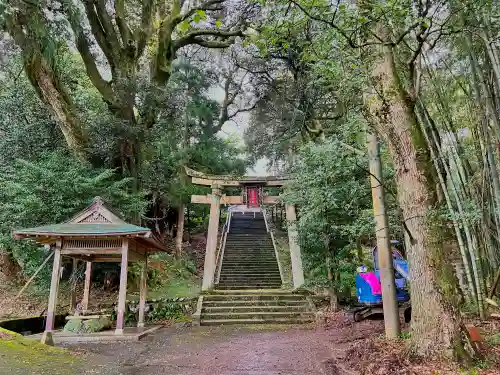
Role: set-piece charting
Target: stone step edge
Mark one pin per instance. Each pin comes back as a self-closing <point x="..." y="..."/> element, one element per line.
<point x="290" y="321"/>
<point x="267" y="307"/>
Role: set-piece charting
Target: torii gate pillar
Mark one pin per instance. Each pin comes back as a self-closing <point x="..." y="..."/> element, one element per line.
<point x="211" y="249"/>
<point x="293" y="236"/>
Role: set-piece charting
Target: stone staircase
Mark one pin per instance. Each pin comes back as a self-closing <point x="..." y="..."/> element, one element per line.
<point x="249" y="291"/>
<point x="249" y="260"/>
<point x="255" y="307"/>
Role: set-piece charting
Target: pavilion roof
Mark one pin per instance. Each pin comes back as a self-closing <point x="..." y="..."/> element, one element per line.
<point x="96" y="221"/>
<point x="84" y="230"/>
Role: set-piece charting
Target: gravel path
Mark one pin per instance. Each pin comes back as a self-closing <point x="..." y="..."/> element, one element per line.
<point x="221" y="351"/>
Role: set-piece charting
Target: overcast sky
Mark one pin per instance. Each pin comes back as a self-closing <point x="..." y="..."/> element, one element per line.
<point x="236" y="127"/>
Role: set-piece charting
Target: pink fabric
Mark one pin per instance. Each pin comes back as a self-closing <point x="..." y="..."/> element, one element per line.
<point x="372" y="280"/>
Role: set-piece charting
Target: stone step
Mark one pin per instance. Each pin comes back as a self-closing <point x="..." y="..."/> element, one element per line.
<point x="258" y="315"/>
<point x="261" y="308"/>
<point x="253" y="281"/>
<point x="266" y="259"/>
<point x="217" y="322"/>
<point x="248" y="286"/>
<point x="255" y="264"/>
<point x="274" y="278"/>
<point x="274" y="302"/>
<point x="248" y="250"/>
<point x="250" y="267"/>
<point x="250" y="262"/>
<point x="250" y="276"/>
<point x="256" y="260"/>
<point x="249" y="270"/>
<point x="242" y="250"/>
<point x="248" y="254"/>
<point x="233" y="298"/>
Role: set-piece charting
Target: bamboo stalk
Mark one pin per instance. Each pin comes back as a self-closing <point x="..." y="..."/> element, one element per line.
<point x="461" y="244"/>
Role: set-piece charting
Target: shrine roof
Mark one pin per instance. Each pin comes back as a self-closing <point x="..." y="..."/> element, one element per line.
<point x="96" y="221"/>
<point x="84" y="229"/>
<point x="201" y="178"/>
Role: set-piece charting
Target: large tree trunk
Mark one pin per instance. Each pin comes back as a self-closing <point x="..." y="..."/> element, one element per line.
<point x="50" y="91"/>
<point x="46" y="81"/>
<point x="436" y="325"/>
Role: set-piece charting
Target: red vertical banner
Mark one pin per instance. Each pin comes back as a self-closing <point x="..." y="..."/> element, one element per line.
<point x="253" y="197"/>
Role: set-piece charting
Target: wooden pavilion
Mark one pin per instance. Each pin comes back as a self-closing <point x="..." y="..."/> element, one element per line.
<point x="96" y="234"/>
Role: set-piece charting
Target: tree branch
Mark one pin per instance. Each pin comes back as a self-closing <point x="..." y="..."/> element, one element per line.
<point x="82" y="44"/>
<point x="120" y="16"/>
<point x="107" y="24"/>
<point x="99" y="34"/>
<point x="193" y="37"/>
<point x="145" y="30"/>
<point x="208" y="5"/>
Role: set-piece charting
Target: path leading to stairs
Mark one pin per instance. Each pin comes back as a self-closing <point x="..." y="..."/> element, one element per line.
<point x="231" y="350"/>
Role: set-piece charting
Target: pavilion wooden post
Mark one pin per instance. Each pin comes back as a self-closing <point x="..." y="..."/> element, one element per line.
<point x="122" y="294"/>
<point x="297" y="271"/>
<point x="211" y="249"/>
<point x="72" y="299"/>
<point x="54" y="288"/>
<point x="143" y="292"/>
<point x="86" y="288"/>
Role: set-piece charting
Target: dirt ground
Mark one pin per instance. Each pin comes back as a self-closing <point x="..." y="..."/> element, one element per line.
<point x="251" y="350"/>
<point x="339" y="347"/>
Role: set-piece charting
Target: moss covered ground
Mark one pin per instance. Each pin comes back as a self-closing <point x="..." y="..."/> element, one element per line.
<point x="19" y="355"/>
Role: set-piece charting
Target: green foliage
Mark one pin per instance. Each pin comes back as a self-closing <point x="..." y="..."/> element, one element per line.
<point x="167" y="310"/>
<point x="50" y="189"/>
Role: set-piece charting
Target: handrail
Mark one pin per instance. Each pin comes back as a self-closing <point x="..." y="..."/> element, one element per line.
<point x="222" y="245"/>
<point x="277" y="257"/>
<point x="274" y="245"/>
<point x="264" y="213"/>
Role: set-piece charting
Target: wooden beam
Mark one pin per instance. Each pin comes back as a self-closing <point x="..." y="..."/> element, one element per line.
<point x="210" y="182"/>
<point x="106" y="259"/>
<point x="207" y="182"/>
<point x="207" y="199"/>
<point x="230" y="199"/>
<point x="116" y="250"/>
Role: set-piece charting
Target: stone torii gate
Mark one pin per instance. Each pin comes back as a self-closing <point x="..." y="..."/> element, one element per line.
<point x="252" y="195"/>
